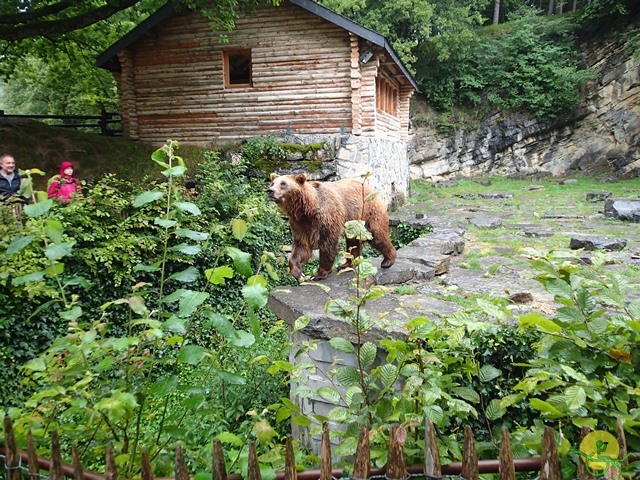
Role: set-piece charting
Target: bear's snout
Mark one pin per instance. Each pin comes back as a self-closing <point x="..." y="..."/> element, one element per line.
<point x="271" y="193"/>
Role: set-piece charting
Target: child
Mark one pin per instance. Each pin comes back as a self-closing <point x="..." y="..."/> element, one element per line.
<point x="64" y="186"/>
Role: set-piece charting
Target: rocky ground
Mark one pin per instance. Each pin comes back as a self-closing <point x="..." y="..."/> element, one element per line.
<point x="474" y="250"/>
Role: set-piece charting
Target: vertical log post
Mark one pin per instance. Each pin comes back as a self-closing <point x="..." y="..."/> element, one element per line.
<point x="582" y="473"/>
<point x="181" y="466"/>
<point x="470" y="469"/>
<point x="550" y="466"/>
<point x="32" y="456"/>
<point x="219" y="469"/>
<point x="55" y="471"/>
<point x="325" y="453"/>
<point x="78" y="473"/>
<point x="622" y="442"/>
<point x="253" y="470"/>
<point x="12" y="461"/>
<point x="431" y="455"/>
<point x="289" y="461"/>
<point x="396" y="468"/>
<point x="110" y="471"/>
<point x="362" y="462"/>
<point x="146" y="472"/>
<point x="507" y="467"/>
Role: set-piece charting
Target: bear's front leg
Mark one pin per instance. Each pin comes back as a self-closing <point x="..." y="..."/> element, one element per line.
<point x="328" y="255"/>
<point x="299" y="256"/>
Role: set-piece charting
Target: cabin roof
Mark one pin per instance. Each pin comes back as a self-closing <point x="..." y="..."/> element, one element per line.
<point x="109" y="58"/>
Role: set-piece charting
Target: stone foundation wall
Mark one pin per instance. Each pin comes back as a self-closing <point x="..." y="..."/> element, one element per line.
<point x="353" y="156"/>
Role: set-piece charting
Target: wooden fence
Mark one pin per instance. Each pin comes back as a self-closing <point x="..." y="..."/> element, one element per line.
<point x="100" y="122"/>
<point x="548" y="464"/>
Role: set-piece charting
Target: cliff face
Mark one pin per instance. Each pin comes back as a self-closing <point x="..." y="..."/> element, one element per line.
<point x="601" y="137"/>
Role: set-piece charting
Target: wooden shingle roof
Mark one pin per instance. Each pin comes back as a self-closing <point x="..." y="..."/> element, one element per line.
<point x="109" y="58"/>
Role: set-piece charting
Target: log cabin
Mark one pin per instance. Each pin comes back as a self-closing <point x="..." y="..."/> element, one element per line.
<point x="296" y="70"/>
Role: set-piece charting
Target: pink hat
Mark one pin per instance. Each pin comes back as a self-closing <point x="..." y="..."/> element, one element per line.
<point x="66" y="164"/>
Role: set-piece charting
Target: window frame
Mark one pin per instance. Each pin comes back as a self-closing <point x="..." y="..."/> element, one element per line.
<point x="226" y="55"/>
<point x="386" y="96"/>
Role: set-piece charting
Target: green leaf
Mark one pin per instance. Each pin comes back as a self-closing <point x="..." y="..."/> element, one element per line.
<point x="576" y="397"/>
<point x="217" y="275"/>
<point x="176" y="324"/>
<point x="136" y="303"/>
<point x="301" y="322"/>
<point x="188" y="207"/>
<point x="434" y="412"/>
<point x="164" y="222"/>
<point x="388" y="374"/>
<point x="192" y="234"/>
<point x="71" y="315"/>
<point x="368" y="353"/>
<point x="242" y="339"/>
<point x="348" y="376"/>
<point x="59" y="250"/>
<point x="241" y="260"/>
<point x="191" y="354"/>
<point x="468" y="394"/>
<point x="187" y="249"/>
<point x="329" y="393"/>
<point x="230" y="438"/>
<point x="176" y="171"/>
<point x="256" y="295"/>
<point x="160" y="157"/>
<point x="222" y="325"/>
<point x="146" y="268"/>
<point x="342" y="345"/>
<point x="239" y="228"/>
<point x="18" y="243"/>
<point x="187" y="275"/>
<point x="190" y="301"/>
<point x="36" y="365"/>
<point x="147" y="197"/>
<point x="488" y="373"/>
<point x="301" y="420"/>
<point x="494" y="411"/>
<point x="543" y="324"/>
<point x="164" y="385"/>
<point x="38" y="209"/>
<point x="31" y="277"/>
<point x="53" y="229"/>
<point x="384" y="409"/>
<point x="560" y="288"/>
<point x="545" y="408"/>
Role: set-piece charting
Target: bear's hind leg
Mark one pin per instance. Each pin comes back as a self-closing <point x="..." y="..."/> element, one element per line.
<point x="328" y="256"/>
<point x="353" y="251"/>
<point x="300" y="254"/>
<point x="382" y="243"/>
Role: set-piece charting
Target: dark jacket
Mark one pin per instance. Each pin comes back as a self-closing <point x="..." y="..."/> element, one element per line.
<point x="9" y="188"/>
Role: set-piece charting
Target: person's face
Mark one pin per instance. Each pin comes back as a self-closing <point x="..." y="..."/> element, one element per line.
<point x="8" y="165"/>
<point x="68" y="171"/>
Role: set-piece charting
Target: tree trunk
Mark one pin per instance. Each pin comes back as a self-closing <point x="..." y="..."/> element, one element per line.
<point x="496" y="12"/>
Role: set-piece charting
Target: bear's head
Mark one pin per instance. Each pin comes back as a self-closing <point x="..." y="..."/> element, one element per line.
<point x="285" y="187"/>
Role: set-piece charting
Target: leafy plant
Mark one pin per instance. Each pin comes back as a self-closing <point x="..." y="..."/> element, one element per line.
<point x="134" y="375"/>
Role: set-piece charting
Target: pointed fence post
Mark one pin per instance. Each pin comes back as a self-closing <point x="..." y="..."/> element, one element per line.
<point x="396" y="468"/>
<point x="582" y="473"/>
<point x="181" y="466"/>
<point x="110" y="471"/>
<point x="32" y="456"/>
<point x="12" y="461"/>
<point x="470" y="469"/>
<point x="550" y="466"/>
<point x="325" y="453"/>
<point x="431" y="455"/>
<point x="289" y="461"/>
<point x="78" y="474"/>
<point x="219" y="469"/>
<point x="55" y="471"/>
<point x="362" y="462"/>
<point x="622" y="442"/>
<point x="507" y="467"/>
<point x="146" y="471"/>
<point x="253" y="471"/>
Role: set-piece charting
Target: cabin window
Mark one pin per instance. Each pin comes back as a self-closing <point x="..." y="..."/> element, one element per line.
<point x="386" y="96"/>
<point x="237" y="68"/>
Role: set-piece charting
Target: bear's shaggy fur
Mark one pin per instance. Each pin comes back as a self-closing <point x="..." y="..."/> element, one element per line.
<point x="317" y="213"/>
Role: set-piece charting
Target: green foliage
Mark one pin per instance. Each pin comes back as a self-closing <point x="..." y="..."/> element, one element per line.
<point x="531" y="67"/>
<point x="160" y="363"/>
<point x="403" y="234"/>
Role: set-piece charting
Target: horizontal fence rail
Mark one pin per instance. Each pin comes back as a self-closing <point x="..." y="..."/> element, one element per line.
<point x="22" y="465"/>
<point x="101" y="122"/>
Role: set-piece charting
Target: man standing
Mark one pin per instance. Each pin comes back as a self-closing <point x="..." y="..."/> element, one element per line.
<point x="9" y="178"/>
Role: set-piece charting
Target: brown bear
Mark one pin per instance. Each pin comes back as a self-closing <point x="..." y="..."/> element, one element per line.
<point x="317" y="213"/>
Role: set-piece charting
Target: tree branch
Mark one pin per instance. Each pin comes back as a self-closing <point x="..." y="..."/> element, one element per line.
<point x="31" y="15"/>
<point x="22" y="30"/>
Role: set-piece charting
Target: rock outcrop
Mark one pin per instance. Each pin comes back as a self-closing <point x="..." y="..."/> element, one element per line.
<point x="601" y="137"/>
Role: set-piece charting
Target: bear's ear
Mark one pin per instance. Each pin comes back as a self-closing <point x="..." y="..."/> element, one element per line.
<point x="273" y="175"/>
<point x="300" y="178"/>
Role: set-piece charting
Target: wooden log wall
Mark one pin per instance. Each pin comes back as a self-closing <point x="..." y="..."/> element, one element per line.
<point x="306" y="78"/>
<point x="548" y="465"/>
